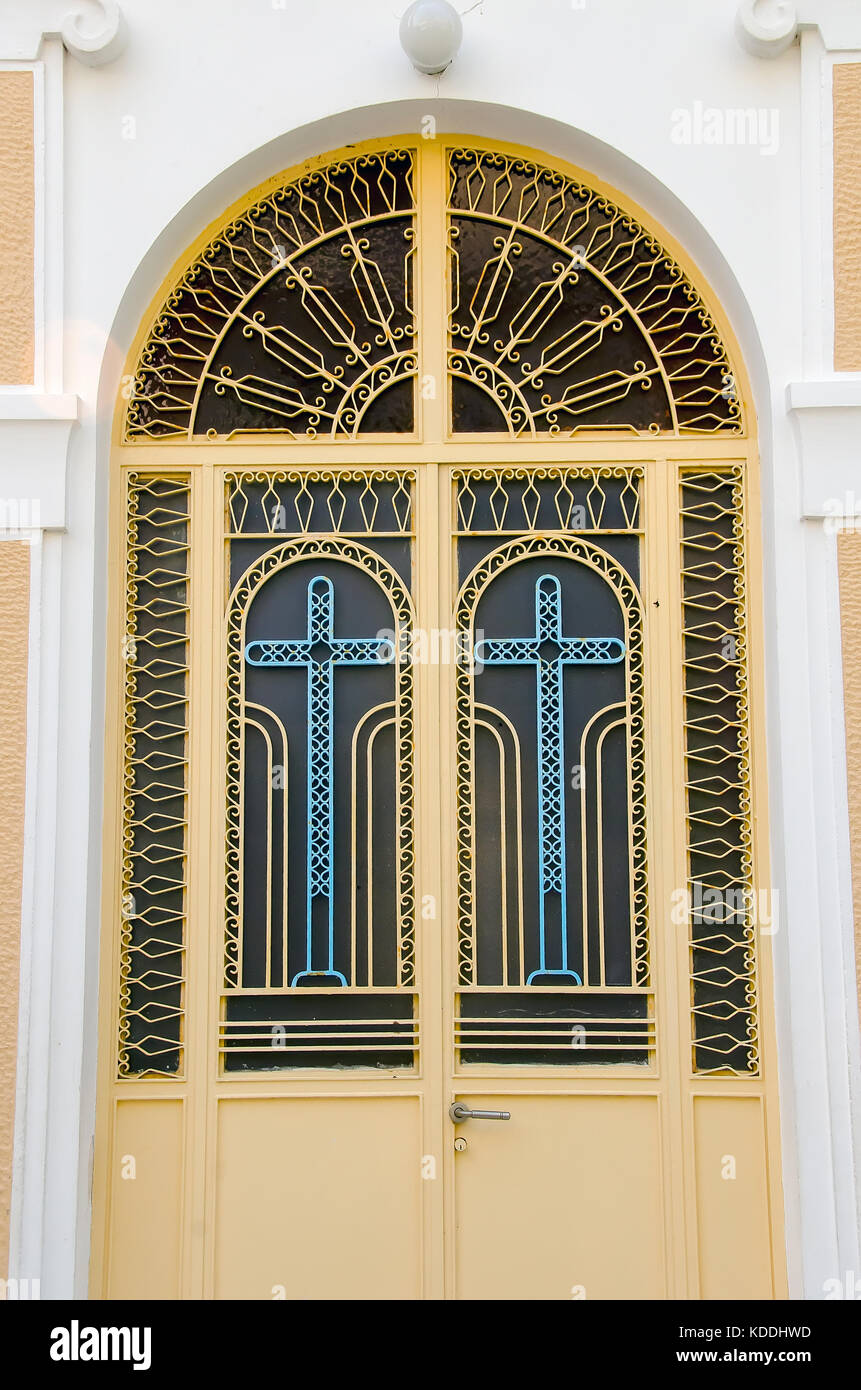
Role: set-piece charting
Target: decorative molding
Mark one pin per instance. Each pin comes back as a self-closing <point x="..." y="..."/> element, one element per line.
<point x="834" y="393"/>
<point x="766" y="28"/>
<point x="827" y="416"/>
<point x="94" y="36"/>
<point x="34" y="446"/>
<point x="99" y="47"/>
<point x="32" y="406"/>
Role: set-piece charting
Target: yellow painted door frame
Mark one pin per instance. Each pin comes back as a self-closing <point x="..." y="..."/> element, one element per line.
<point x="162" y="1224"/>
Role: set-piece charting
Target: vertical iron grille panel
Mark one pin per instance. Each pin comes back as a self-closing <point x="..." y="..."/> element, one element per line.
<point x="566" y="315"/>
<point x="320" y="945"/>
<point x="297" y="318"/>
<point x="552" y="903"/>
<point x="717" y="761"/>
<point x="155" y="778"/>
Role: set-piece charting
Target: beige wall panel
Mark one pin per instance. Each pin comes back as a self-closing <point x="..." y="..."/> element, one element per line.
<point x="847" y="217"/>
<point x="17" y="221"/>
<point x="849" y="560"/>
<point x="732" y="1213"/>
<point x="320" y="1196"/>
<point x="14" y="624"/>
<point x="564" y="1195"/>
<point x="146" y="1225"/>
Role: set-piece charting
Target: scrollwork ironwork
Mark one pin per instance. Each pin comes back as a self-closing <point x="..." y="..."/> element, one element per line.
<point x="568" y="315"/>
<point x="296" y="318"/>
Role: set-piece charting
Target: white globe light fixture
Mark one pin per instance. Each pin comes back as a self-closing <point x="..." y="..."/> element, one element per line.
<point x="431" y="34"/>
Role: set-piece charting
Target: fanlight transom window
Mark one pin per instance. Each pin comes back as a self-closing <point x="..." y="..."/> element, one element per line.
<point x="564" y="314"/>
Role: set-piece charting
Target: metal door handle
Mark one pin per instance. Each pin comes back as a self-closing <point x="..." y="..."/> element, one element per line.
<point x="458" y="1112"/>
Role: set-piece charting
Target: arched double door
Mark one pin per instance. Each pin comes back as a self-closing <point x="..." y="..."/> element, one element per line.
<point x="434" y="749"/>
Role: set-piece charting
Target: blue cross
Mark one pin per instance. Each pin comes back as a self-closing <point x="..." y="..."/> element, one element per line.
<point x="319" y="653"/>
<point x="549" y="651"/>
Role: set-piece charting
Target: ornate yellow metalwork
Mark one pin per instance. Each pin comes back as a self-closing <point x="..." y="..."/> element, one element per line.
<point x="567" y="315"/>
<point x="614" y="433"/>
<point x="488" y="502"/>
<point x="297" y="317"/>
<point x="342" y="501"/>
<point x="584" y="553"/>
<point x="327" y="515"/>
<point x="549" y="498"/>
<point x="351" y="553"/>
<point x="722" y="903"/>
<point x="155" y="777"/>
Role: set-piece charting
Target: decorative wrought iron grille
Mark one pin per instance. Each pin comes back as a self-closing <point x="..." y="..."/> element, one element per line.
<point x="721" y="899"/>
<point x="155" y="777"/>
<point x="567" y="315"/>
<point x="297" y="318"/>
<point x="340" y="501"/>
<point x="552" y="933"/>
<point x="320" y="946"/>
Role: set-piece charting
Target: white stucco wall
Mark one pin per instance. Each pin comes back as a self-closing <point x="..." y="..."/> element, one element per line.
<point x="208" y="98"/>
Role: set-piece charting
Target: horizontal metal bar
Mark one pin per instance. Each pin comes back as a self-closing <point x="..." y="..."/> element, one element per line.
<point x="515" y="1022"/>
<point x="411" y="1023"/>
<point x="555" y="1039"/>
<point x="472" y="1034"/>
<point x="407" y="1036"/>
<point x="551" y="531"/>
<point x="406" y="1046"/>
<point x="277" y="992"/>
<point x="586" y="449"/>
<point x="480" y="1046"/>
<point x="575" y="991"/>
<point x="290" y="533"/>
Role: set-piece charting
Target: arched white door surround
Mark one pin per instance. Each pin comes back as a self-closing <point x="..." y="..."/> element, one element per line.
<point x="815" y="1030"/>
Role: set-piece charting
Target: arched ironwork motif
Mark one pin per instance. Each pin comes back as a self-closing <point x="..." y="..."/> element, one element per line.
<point x="296" y="318"/>
<point x="529" y="938"/>
<point x="567" y="315"/>
<point x="327" y="1017"/>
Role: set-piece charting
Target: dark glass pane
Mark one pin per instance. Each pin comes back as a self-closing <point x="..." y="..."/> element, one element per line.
<point x="392" y="411"/>
<point x="475" y="411"/>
